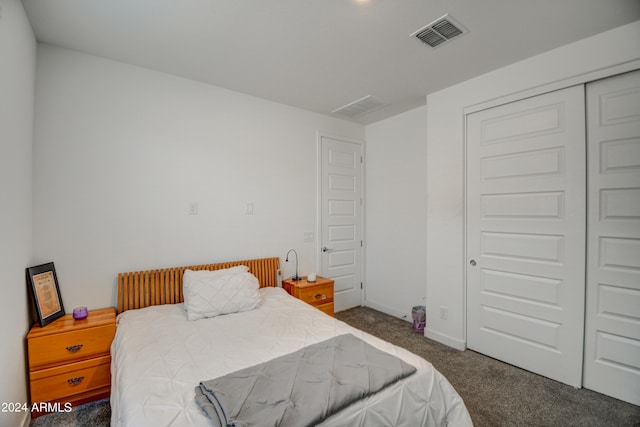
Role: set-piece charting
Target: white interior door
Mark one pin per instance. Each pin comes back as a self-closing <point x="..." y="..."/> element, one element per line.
<point x="612" y="339"/>
<point x="341" y="219"/>
<point x="526" y="233"/>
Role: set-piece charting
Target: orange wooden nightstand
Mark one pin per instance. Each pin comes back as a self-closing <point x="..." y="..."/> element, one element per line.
<point x="319" y="293"/>
<point x="69" y="360"/>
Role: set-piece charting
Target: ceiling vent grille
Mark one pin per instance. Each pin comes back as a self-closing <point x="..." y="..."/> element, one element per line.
<point x="439" y="31"/>
<point x="359" y="107"/>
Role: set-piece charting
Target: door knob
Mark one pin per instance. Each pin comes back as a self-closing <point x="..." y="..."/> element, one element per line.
<point x="326" y="249"/>
<point x="472" y="262"/>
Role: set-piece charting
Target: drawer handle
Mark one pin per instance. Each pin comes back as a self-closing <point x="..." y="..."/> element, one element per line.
<point x="321" y="296"/>
<point x="74" y="348"/>
<point x="75" y="381"/>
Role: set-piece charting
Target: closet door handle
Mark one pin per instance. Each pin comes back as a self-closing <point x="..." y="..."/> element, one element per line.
<point x="473" y="263"/>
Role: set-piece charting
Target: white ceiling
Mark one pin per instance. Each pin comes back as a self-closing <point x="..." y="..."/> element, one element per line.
<point x="322" y="54"/>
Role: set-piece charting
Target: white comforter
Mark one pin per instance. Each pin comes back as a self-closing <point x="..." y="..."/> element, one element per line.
<point x="158" y="358"/>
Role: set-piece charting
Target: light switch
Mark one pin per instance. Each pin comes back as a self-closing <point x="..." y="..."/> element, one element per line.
<point x="307" y="236"/>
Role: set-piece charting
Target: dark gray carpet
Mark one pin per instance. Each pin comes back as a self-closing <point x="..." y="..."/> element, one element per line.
<point x="94" y="414"/>
<point x="496" y="394"/>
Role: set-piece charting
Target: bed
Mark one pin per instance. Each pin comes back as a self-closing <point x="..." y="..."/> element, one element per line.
<point x="159" y="356"/>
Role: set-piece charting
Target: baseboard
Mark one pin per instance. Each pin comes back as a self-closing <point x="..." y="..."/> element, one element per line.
<point x="445" y="339"/>
<point x="26" y="421"/>
<point x="390" y="311"/>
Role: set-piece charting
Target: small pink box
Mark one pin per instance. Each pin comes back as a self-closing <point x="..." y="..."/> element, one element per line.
<point x="80" y="313"/>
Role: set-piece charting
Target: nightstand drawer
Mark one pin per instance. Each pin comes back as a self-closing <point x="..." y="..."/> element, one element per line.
<point x="326" y="308"/>
<point x="70" y="380"/>
<point x="69" y="346"/>
<point x="317" y="295"/>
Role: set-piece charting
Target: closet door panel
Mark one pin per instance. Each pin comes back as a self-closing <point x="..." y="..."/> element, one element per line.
<point x="526" y="233"/>
<point x="612" y="337"/>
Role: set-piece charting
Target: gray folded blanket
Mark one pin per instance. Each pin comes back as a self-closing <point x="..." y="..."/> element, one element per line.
<point x="301" y="388"/>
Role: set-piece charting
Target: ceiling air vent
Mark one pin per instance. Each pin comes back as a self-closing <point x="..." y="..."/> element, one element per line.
<point x="439" y="31"/>
<point x="361" y="106"/>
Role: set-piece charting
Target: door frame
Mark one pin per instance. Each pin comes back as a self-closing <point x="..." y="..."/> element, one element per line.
<point x="506" y="99"/>
<point x="362" y="260"/>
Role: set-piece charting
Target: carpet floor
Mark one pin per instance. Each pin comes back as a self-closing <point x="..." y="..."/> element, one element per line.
<point x="496" y="394"/>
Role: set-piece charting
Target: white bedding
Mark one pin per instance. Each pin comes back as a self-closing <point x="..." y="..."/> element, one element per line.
<point x="158" y="358"/>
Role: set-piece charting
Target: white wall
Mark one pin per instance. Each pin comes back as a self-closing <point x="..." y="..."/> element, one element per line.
<point x="571" y="64"/>
<point x="396" y="207"/>
<point x="121" y="151"/>
<point x="17" y="83"/>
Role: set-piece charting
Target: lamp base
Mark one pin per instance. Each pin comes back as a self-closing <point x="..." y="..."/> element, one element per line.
<point x="296" y="278"/>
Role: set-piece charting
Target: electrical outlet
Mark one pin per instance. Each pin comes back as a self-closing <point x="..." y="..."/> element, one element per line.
<point x="444" y="312"/>
<point x="193" y="208"/>
<point x="248" y="208"/>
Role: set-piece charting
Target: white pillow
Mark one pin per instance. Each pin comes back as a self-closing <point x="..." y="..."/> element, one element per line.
<point x="213" y="293"/>
<point x="190" y="275"/>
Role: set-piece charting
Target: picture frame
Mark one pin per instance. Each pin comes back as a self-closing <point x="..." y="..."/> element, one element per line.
<point x="43" y="282"/>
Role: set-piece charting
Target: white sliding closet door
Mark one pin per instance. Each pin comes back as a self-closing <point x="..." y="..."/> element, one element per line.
<point x="526" y="233"/>
<point x="612" y="343"/>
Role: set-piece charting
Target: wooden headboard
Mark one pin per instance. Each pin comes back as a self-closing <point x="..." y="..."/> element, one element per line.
<point x="141" y="289"/>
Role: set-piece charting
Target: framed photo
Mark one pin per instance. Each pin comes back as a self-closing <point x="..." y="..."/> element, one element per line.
<point x="43" y="282"/>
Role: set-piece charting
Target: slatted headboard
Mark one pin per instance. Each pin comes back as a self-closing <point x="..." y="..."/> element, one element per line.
<point x="141" y="289"/>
